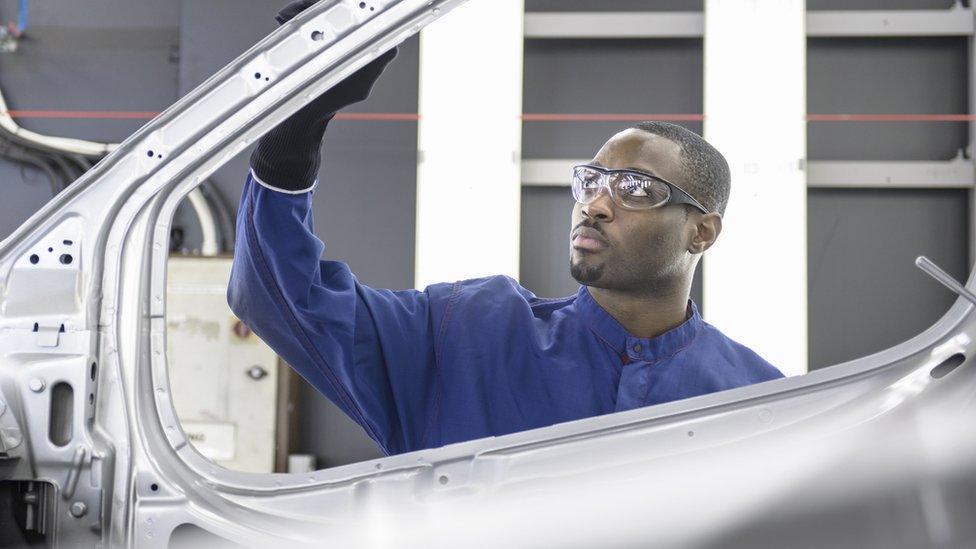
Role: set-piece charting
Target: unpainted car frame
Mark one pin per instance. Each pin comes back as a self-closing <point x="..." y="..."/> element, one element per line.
<point x="878" y="452"/>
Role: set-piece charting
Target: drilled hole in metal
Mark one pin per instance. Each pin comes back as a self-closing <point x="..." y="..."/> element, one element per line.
<point x="443" y="479"/>
<point x="66" y="259"/>
<point x="948" y="365"/>
<point x="94" y="370"/>
<point x="34" y="259"/>
<point x="318" y="36"/>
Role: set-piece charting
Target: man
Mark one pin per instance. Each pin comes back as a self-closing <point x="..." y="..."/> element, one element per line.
<point x="486" y="357"/>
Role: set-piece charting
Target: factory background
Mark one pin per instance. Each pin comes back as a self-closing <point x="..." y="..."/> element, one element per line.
<point x="88" y="69"/>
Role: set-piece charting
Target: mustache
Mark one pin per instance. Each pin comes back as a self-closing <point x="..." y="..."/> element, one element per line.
<point x="590" y="225"/>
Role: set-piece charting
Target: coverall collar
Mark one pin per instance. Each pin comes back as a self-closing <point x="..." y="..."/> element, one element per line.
<point x="637" y="348"/>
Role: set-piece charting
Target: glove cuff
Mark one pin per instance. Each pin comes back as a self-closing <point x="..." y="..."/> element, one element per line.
<point x="288" y="157"/>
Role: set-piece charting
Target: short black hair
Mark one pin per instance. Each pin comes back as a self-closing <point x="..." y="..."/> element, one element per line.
<point x="707" y="169"/>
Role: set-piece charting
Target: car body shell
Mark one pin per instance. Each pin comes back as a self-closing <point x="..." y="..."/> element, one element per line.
<point x="877" y="452"/>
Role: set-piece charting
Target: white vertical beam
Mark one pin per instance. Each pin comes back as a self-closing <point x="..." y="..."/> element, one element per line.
<point x="755" y="277"/>
<point x="469" y="173"/>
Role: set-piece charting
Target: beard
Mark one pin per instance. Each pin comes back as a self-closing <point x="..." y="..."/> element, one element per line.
<point x="646" y="277"/>
<point x="587" y="275"/>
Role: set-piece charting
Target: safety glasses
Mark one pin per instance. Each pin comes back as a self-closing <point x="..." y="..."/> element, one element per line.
<point x="629" y="189"/>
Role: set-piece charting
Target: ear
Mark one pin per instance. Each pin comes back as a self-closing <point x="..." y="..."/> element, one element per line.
<point x="707" y="229"/>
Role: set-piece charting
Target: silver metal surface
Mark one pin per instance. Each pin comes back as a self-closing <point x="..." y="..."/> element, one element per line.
<point x="877" y="452"/>
<point x="78" y="509"/>
<point x="955" y="21"/>
<point x="944" y="278"/>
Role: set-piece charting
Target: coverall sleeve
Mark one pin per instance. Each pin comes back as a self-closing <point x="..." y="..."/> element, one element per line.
<point x="372" y="352"/>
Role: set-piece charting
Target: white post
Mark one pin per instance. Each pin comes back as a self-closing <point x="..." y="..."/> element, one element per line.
<point x="469" y="172"/>
<point x="755" y="277"/>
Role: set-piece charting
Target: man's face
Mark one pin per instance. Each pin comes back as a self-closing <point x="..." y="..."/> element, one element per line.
<point x="646" y="250"/>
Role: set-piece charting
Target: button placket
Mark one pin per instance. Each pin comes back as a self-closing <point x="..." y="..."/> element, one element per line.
<point x="635" y="349"/>
<point x="631" y="387"/>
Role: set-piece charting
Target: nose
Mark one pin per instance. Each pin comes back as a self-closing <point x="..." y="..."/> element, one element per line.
<point x="601" y="207"/>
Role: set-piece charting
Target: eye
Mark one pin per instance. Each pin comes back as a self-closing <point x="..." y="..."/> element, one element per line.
<point x="635" y="187"/>
<point x="642" y="191"/>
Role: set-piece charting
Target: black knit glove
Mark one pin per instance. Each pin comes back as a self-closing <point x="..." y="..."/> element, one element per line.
<point x="288" y="156"/>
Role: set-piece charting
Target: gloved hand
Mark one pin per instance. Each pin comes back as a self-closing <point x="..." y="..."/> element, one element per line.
<point x="288" y="157"/>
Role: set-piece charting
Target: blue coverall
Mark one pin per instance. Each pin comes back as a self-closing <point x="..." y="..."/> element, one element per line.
<point x="461" y="360"/>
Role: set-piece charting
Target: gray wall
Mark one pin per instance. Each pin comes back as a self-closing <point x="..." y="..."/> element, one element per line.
<point x="865" y="294"/>
<point x="887" y="76"/>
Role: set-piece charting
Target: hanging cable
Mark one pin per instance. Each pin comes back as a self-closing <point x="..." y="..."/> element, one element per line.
<point x="20" y="156"/>
<point x="63" y="160"/>
<point x="64" y="167"/>
<point x="59" y="144"/>
<point x="226" y="220"/>
<point x="208" y="225"/>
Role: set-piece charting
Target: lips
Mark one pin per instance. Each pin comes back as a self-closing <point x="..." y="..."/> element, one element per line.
<point x="589" y="239"/>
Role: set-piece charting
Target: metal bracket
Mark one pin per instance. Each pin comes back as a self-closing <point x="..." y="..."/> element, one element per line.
<point x="48" y="336"/>
<point x="71" y="482"/>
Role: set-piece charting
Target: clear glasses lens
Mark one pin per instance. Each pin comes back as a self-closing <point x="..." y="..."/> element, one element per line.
<point x="586" y="184"/>
<point x="628" y="190"/>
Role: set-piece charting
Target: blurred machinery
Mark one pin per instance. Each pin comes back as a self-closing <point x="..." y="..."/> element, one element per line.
<point x="226" y="383"/>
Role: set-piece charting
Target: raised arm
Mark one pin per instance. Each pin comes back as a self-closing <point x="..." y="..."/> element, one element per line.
<point x="372" y="352"/>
